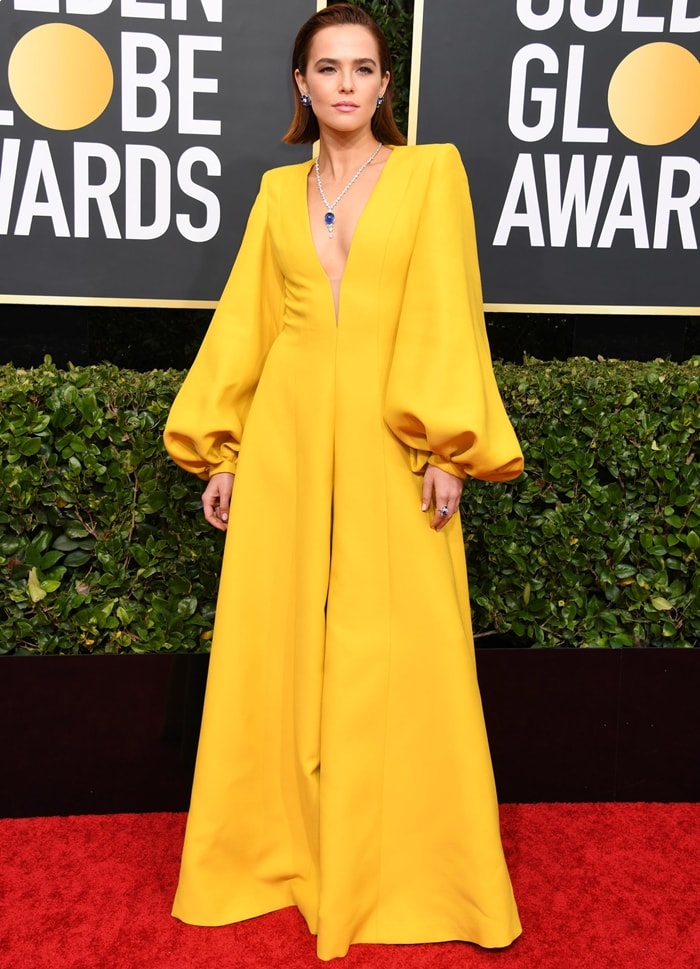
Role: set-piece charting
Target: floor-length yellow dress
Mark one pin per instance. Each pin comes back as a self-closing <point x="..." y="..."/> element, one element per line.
<point x="343" y="765"/>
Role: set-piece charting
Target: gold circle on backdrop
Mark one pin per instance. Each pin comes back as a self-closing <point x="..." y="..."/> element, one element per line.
<point x="654" y="95"/>
<point x="60" y="76"/>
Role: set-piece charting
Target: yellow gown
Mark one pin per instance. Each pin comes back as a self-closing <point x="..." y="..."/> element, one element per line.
<point x="343" y="765"/>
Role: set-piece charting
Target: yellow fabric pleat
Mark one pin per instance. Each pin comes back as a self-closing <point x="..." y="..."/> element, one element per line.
<point x="343" y="765"/>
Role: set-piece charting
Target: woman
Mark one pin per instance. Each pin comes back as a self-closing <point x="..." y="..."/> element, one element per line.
<point x="346" y="382"/>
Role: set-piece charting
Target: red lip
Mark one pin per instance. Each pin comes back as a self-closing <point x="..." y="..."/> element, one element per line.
<point x="345" y="104"/>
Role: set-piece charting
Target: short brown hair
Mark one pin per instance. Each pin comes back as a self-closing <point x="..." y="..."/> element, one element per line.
<point x="304" y="127"/>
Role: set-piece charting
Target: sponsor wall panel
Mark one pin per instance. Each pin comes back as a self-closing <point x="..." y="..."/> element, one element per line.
<point x="578" y="125"/>
<point x="133" y="136"/>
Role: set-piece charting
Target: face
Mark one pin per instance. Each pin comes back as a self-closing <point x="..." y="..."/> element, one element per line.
<point x="343" y="77"/>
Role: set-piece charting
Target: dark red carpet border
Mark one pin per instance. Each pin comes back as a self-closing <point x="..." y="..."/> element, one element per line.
<point x="600" y="886"/>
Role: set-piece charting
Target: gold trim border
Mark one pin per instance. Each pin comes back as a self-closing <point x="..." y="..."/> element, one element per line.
<point x="316" y="147"/>
<point x="558" y="309"/>
<point x="110" y="301"/>
<point x="563" y="309"/>
<point x="414" y="88"/>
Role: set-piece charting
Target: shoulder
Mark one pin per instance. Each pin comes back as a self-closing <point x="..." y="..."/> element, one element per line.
<point x="428" y="164"/>
<point x="428" y="156"/>
<point x="285" y="174"/>
<point x="432" y="170"/>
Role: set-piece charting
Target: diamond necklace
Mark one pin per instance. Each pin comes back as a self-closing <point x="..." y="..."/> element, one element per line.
<point x="329" y="217"/>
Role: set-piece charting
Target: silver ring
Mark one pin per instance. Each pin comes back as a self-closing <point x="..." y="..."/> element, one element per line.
<point x="444" y="511"/>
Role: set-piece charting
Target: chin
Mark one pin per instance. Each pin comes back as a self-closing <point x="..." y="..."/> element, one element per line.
<point x="346" y="123"/>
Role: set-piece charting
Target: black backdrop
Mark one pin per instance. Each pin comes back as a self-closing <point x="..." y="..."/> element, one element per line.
<point x="196" y="114"/>
<point x="519" y="101"/>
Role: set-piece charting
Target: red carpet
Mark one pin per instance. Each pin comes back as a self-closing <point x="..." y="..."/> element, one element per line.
<point x="600" y="886"/>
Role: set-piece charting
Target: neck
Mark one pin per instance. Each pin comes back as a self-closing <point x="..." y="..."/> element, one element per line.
<point x="340" y="154"/>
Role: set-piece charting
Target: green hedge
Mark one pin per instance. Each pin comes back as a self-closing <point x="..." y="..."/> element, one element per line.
<point x="597" y="544"/>
<point x="101" y="537"/>
<point x="104" y="549"/>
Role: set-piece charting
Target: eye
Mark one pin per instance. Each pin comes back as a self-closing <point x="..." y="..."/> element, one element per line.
<point x="365" y="70"/>
<point x="327" y="69"/>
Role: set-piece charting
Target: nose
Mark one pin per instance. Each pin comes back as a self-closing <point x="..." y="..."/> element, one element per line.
<point x="345" y="80"/>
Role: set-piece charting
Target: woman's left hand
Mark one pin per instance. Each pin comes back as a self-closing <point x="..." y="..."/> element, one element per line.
<point x="444" y="490"/>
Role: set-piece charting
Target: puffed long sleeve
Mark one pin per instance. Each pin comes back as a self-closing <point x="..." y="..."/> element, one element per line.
<point x="442" y="399"/>
<point x="205" y="425"/>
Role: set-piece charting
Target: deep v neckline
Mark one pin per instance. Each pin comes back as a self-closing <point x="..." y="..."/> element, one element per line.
<point x="361" y="219"/>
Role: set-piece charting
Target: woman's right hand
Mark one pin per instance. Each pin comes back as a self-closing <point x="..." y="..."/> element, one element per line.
<point x="216" y="499"/>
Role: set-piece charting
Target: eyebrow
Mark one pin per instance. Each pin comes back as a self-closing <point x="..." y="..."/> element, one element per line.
<point x="334" y="62"/>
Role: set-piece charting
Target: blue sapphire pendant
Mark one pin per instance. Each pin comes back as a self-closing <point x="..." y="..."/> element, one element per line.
<point x="329" y="219"/>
